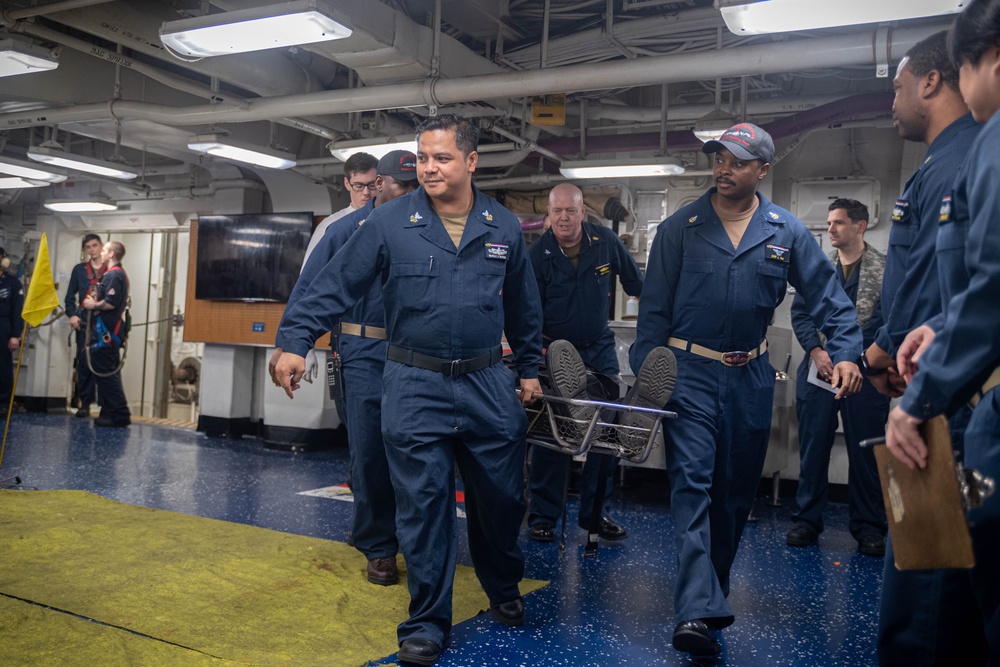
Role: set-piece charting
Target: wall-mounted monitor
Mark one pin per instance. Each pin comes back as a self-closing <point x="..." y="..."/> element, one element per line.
<point x="250" y="256"/>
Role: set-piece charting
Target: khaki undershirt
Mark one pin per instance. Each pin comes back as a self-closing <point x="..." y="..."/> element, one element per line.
<point x="572" y="253"/>
<point x="736" y="224"/>
<point x="848" y="269"/>
<point x="455" y="225"/>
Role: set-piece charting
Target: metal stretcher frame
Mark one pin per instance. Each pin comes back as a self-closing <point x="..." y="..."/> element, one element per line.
<point x="598" y="431"/>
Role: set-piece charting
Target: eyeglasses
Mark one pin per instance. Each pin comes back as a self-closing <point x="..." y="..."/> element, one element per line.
<point x="358" y="187"/>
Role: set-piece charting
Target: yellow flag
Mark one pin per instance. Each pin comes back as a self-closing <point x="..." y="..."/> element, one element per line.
<point x="41" y="298"/>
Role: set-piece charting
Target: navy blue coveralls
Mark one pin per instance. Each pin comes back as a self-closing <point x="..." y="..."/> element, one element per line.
<point x="575" y="307"/>
<point x="958" y="623"/>
<point x="909" y="609"/>
<point x="700" y="289"/>
<point x="450" y="304"/>
<point x="11" y="326"/>
<point x="82" y="281"/>
<point x="104" y="356"/>
<point x="363" y="361"/>
<point x="864" y="415"/>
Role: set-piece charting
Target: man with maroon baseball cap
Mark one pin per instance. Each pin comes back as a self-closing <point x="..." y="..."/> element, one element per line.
<point x="717" y="269"/>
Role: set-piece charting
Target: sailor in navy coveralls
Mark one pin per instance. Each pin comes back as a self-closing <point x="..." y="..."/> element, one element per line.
<point x="455" y="277"/>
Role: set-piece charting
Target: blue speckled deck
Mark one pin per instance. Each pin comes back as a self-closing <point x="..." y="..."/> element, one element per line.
<point x="808" y="607"/>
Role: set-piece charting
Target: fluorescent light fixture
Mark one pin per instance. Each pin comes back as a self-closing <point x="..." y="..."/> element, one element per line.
<point x="18" y="182"/>
<point x="757" y="17"/>
<point x="91" y="165"/>
<point x="25" y="169"/>
<point x="713" y="125"/>
<point x="621" y="168"/>
<point x="18" y="57"/>
<point x="255" y="29"/>
<point x="222" y="146"/>
<point x="375" y="147"/>
<point x="95" y="203"/>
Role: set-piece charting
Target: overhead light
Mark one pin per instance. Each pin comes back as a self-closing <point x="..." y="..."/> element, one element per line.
<point x="25" y="169"/>
<point x="19" y="57"/>
<point x="91" y="165"/>
<point x="222" y="146"/>
<point x="255" y="29"/>
<point x="757" y="17"/>
<point x="18" y="182"/>
<point x="95" y="203"/>
<point x="713" y="125"/>
<point x="621" y="168"/>
<point x="375" y="147"/>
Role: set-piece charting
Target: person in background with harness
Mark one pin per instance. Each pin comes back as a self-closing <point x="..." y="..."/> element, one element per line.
<point x="83" y="282"/>
<point x="11" y="326"/>
<point x="361" y="344"/>
<point x="455" y="276"/>
<point x="575" y="264"/>
<point x="954" y="359"/>
<point x="717" y="269"/>
<point x="108" y="308"/>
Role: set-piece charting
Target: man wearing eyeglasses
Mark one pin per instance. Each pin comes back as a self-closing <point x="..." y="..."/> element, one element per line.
<point x="360" y="172"/>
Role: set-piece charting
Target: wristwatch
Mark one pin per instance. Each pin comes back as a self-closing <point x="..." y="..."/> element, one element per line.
<point x="866" y="369"/>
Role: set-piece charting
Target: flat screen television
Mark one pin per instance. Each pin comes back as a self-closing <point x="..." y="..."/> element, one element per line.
<point x="250" y="256"/>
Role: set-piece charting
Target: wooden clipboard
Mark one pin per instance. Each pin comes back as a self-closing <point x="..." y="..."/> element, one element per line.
<point x="924" y="508"/>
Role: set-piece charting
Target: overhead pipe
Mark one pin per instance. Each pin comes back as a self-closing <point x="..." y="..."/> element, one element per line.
<point x="681" y="140"/>
<point x="840" y="51"/>
<point x="12" y="15"/>
<point x="169" y="80"/>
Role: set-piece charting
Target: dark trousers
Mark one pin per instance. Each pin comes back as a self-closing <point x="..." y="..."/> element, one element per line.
<point x="374" y="526"/>
<point x="6" y="375"/>
<point x="715" y="452"/>
<point x="114" y="405"/>
<point x="85" y="384"/>
<point x="939" y="618"/>
<point x="864" y="416"/>
<point x="430" y="424"/>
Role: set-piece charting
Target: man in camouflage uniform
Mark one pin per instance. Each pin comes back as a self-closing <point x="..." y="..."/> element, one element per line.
<point x="859" y="268"/>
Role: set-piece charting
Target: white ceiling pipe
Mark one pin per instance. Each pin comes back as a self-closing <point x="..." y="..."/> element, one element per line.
<point x="840" y="51"/>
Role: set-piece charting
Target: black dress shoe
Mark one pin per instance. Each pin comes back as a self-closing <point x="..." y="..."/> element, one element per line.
<point x="104" y="421"/>
<point x="419" y="651"/>
<point x="541" y="532"/>
<point x="608" y="529"/>
<point x="84" y="411"/>
<point x="509" y="613"/>
<point x="800" y="536"/>
<point x="696" y="638"/>
<point x="872" y="545"/>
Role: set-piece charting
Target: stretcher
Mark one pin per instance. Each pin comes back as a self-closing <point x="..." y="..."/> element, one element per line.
<point x="577" y="426"/>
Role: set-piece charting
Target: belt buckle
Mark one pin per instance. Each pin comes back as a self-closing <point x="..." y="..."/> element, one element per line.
<point x="453" y="367"/>
<point x="735" y="358"/>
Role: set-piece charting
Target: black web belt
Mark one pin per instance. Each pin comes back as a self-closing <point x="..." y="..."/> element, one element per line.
<point x="449" y="367"/>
